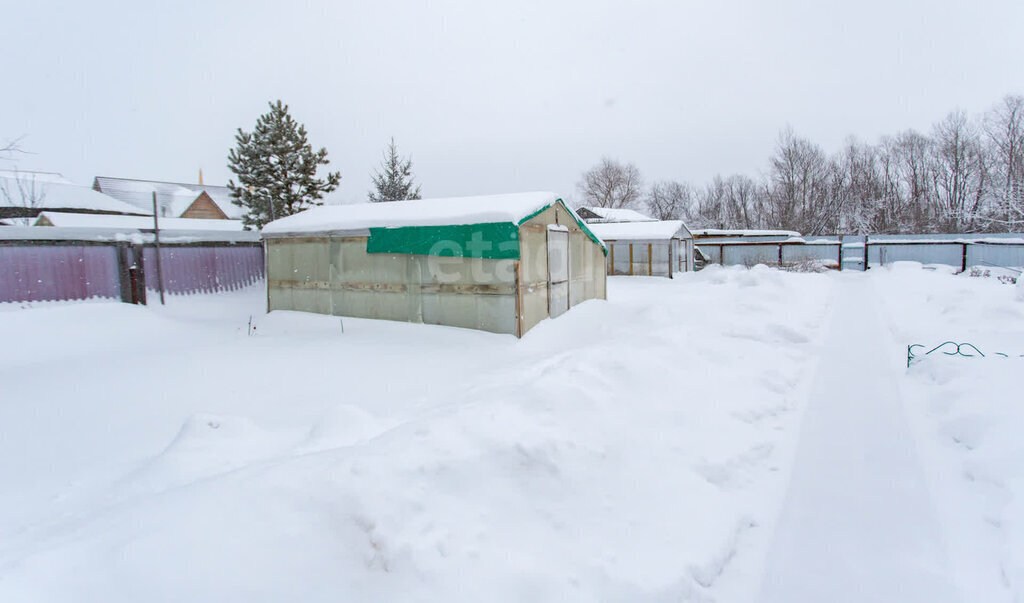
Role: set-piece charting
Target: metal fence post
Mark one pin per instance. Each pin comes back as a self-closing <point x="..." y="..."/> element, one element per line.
<point x="139" y="265"/>
<point x="124" y="277"/>
<point x="159" y="268"/>
<point x="840" y="253"/>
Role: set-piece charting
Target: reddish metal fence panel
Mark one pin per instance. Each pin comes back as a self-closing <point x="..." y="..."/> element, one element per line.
<point x="204" y="269"/>
<point x="45" y="273"/>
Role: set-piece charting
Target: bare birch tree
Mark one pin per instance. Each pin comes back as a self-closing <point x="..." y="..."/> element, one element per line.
<point x="960" y="173"/>
<point x="670" y="200"/>
<point x="611" y="184"/>
<point x="9" y="148"/>
<point x="1004" y="131"/>
<point x="744" y="202"/>
<point x="798" y="179"/>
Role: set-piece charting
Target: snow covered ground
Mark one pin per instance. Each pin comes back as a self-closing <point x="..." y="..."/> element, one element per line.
<point x="968" y="417"/>
<point x="651" y="447"/>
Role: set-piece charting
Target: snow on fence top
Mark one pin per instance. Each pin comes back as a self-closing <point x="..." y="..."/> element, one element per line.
<point x="640" y="231"/>
<point x="72" y="220"/>
<point x="940" y="239"/>
<point x="132" y="235"/>
<point x="512" y="208"/>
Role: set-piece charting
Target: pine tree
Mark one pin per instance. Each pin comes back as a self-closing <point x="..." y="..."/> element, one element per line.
<point x="276" y="169"/>
<point x="394" y="182"/>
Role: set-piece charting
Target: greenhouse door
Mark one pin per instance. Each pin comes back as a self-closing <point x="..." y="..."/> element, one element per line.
<point x="558" y="272"/>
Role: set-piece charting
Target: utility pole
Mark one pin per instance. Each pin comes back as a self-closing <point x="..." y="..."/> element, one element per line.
<point x="159" y="268"/>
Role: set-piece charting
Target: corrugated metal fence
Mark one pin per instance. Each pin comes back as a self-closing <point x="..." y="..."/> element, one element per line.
<point x="204" y="269"/>
<point x="864" y="252"/>
<point x="40" y="273"/>
<point x="52" y="265"/>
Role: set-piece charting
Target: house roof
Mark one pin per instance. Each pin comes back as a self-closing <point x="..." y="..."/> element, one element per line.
<point x="607" y="214"/>
<point x="57" y="192"/>
<point x="488" y="209"/>
<point x="72" y="220"/>
<point x="641" y="231"/>
<point x="172" y="197"/>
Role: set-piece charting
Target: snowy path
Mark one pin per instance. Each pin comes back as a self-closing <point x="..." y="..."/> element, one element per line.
<point x="858" y="523"/>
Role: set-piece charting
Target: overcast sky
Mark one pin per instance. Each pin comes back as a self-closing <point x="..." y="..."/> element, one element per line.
<point x="490" y="97"/>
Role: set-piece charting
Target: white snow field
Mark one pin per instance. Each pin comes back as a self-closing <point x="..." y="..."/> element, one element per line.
<point x="729" y="435"/>
<point x="967" y="416"/>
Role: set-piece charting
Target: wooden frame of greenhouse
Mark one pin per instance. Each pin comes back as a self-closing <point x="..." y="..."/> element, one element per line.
<point x="654" y="248"/>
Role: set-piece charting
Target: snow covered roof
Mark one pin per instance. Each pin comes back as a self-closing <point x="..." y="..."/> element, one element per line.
<point x="53" y="191"/>
<point x="718" y="232"/>
<point x="641" y="231"/>
<point x="422" y="212"/>
<point x="607" y="214"/>
<point x="172" y="197"/>
<point x="72" y="220"/>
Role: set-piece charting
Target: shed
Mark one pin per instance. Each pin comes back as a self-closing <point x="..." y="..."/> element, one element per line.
<point x="499" y="263"/>
<point x="657" y="248"/>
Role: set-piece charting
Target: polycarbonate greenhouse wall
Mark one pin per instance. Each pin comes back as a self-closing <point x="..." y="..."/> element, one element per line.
<point x="649" y="258"/>
<point x="336" y="276"/>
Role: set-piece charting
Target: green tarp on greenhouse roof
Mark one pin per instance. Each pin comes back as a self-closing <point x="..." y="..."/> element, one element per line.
<point x="494" y="240"/>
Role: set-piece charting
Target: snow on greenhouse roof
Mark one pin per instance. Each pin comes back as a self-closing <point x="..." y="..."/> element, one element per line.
<point x="640" y="231"/>
<point x="486" y="209"/>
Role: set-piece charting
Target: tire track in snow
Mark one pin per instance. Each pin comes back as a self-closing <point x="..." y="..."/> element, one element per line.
<point x="858" y="523"/>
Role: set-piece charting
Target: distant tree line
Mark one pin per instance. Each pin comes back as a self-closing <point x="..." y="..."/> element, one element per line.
<point x="965" y="175"/>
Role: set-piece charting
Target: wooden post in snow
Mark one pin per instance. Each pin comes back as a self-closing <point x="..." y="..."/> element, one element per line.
<point x="159" y="268"/>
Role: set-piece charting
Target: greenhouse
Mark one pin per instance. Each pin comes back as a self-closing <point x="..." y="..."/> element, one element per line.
<point x="499" y="263"/>
<point x="656" y="248"/>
